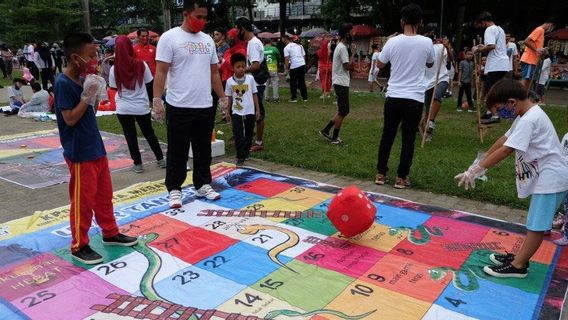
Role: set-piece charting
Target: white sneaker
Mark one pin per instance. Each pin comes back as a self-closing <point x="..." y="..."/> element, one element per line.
<point x="175" y="199"/>
<point x="207" y="192"/>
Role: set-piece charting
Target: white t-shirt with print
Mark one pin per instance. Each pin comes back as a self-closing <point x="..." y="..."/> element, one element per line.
<point x="430" y="73"/>
<point x="373" y="70"/>
<point x="408" y="56"/>
<point x="255" y="52"/>
<point x="539" y="163"/>
<point x="497" y="59"/>
<point x="512" y="51"/>
<point x="132" y="102"/>
<point x="295" y="53"/>
<point x="339" y="75"/>
<point x="190" y="56"/>
<point x="242" y="93"/>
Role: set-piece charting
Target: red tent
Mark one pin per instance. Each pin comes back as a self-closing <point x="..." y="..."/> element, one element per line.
<point x="560" y="34"/>
<point x="133" y="35"/>
<point x="363" y="30"/>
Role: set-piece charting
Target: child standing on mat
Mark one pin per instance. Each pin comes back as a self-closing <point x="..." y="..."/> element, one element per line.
<point x="90" y="185"/>
<point x="243" y="106"/>
<point x="541" y="171"/>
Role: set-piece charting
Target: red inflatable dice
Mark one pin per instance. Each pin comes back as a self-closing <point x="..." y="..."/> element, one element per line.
<point x="351" y="212"/>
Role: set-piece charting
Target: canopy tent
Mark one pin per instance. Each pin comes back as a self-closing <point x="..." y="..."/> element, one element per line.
<point x="264" y="35"/>
<point x="560" y="34"/>
<point x="312" y="33"/>
<point x="276" y="35"/>
<point x="134" y="35"/>
<point x="363" y="30"/>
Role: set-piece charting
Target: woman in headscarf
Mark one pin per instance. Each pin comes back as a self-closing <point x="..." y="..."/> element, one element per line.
<point x="129" y="77"/>
<point x="324" y="64"/>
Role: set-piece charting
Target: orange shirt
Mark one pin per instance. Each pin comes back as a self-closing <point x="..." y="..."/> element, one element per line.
<point x="530" y="56"/>
<point x="147" y="54"/>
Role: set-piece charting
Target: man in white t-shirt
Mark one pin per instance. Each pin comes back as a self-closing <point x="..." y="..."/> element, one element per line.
<point x="255" y="63"/>
<point x="544" y="76"/>
<point x="374" y="68"/>
<point x="513" y="54"/>
<point x="409" y="55"/>
<point x="497" y="64"/>
<point x="340" y="78"/>
<point x="188" y="59"/>
<point x="443" y="52"/>
<point x="295" y="66"/>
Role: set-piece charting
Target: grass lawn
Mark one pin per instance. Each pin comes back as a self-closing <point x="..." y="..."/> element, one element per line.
<point x="292" y="138"/>
<point x="16" y="73"/>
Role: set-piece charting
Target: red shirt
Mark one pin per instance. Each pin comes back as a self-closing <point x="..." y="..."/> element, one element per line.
<point x="147" y="54"/>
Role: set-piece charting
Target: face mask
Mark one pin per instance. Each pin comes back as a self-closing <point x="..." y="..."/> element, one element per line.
<point x="196" y="25"/>
<point x="241" y="36"/>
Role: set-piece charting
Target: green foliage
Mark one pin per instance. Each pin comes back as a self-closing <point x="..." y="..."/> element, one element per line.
<point x="108" y="15"/>
<point x="37" y="20"/>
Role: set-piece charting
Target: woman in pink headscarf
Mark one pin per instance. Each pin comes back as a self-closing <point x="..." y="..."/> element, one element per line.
<point x="324" y="62"/>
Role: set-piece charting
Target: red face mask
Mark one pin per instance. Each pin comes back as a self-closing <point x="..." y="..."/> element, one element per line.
<point x="195" y="24"/>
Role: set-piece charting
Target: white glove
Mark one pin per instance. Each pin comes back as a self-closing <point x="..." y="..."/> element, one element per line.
<point x="467" y="178"/>
<point x="94" y="89"/>
<point x="158" y="109"/>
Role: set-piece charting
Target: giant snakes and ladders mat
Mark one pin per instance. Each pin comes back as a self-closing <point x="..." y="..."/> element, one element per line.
<point x="35" y="160"/>
<point x="266" y="250"/>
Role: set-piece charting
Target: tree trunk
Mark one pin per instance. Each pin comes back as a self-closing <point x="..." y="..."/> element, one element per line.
<point x="282" y="22"/>
<point x="249" y="5"/>
<point x="86" y="16"/>
<point x="460" y="14"/>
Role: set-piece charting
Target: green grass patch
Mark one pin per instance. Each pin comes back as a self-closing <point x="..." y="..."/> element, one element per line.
<point x="5" y="82"/>
<point x="292" y="138"/>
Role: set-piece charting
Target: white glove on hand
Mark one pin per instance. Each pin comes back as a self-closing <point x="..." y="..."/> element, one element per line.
<point x="158" y="110"/>
<point x="468" y="177"/>
<point x="94" y="89"/>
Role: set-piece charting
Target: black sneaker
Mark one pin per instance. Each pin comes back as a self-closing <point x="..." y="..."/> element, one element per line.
<point x="240" y="162"/>
<point x="87" y="255"/>
<point x="491" y="120"/>
<point x="487" y="116"/>
<point x="506" y="271"/>
<point x="501" y="259"/>
<point x="120" y="240"/>
<point x="325" y="135"/>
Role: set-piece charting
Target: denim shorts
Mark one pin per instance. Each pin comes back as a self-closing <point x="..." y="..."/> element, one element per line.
<point x="527" y="70"/>
<point x="542" y="209"/>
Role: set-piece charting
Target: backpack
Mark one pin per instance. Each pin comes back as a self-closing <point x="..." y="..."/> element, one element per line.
<point x="261" y="75"/>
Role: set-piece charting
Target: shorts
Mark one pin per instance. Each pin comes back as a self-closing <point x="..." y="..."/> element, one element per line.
<point x="440" y="91"/>
<point x="491" y="79"/>
<point x="342" y="94"/>
<point x="540" y="90"/>
<point x="373" y="75"/>
<point x="527" y="70"/>
<point x="260" y="95"/>
<point x="542" y="209"/>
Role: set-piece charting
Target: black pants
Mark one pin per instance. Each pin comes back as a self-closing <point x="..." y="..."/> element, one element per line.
<point x="408" y="112"/>
<point x="9" y="67"/>
<point x="47" y="76"/>
<point x="128" y="123"/>
<point x="33" y="69"/>
<point x="189" y="126"/>
<point x="465" y="88"/>
<point x="298" y="81"/>
<point x="150" y="90"/>
<point x="3" y="67"/>
<point x="243" y="131"/>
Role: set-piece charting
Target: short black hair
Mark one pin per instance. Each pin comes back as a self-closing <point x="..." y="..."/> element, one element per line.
<point x="74" y="43"/>
<point x="267" y="41"/>
<point x="245" y="23"/>
<point x="411" y="14"/>
<point x="237" y="57"/>
<point x="551" y="20"/>
<point x="190" y="5"/>
<point x="504" y="90"/>
<point x="485" y="16"/>
<point x="36" y="86"/>
<point x="344" y="29"/>
<point x="139" y="31"/>
<point x="374" y="46"/>
<point x="221" y="30"/>
<point x="20" y="80"/>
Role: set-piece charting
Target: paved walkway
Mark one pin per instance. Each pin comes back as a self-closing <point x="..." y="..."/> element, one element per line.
<point x="18" y="201"/>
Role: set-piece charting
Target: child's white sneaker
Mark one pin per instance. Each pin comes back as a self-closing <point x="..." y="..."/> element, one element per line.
<point x="207" y="192"/>
<point x="561" y="242"/>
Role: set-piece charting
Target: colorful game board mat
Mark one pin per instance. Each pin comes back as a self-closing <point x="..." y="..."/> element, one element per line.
<point x="35" y="160"/>
<point x="266" y="250"/>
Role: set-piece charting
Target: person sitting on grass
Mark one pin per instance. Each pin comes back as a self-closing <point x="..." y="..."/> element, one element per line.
<point x="16" y="97"/>
<point x="541" y="171"/>
<point x="39" y="101"/>
<point x="243" y="109"/>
